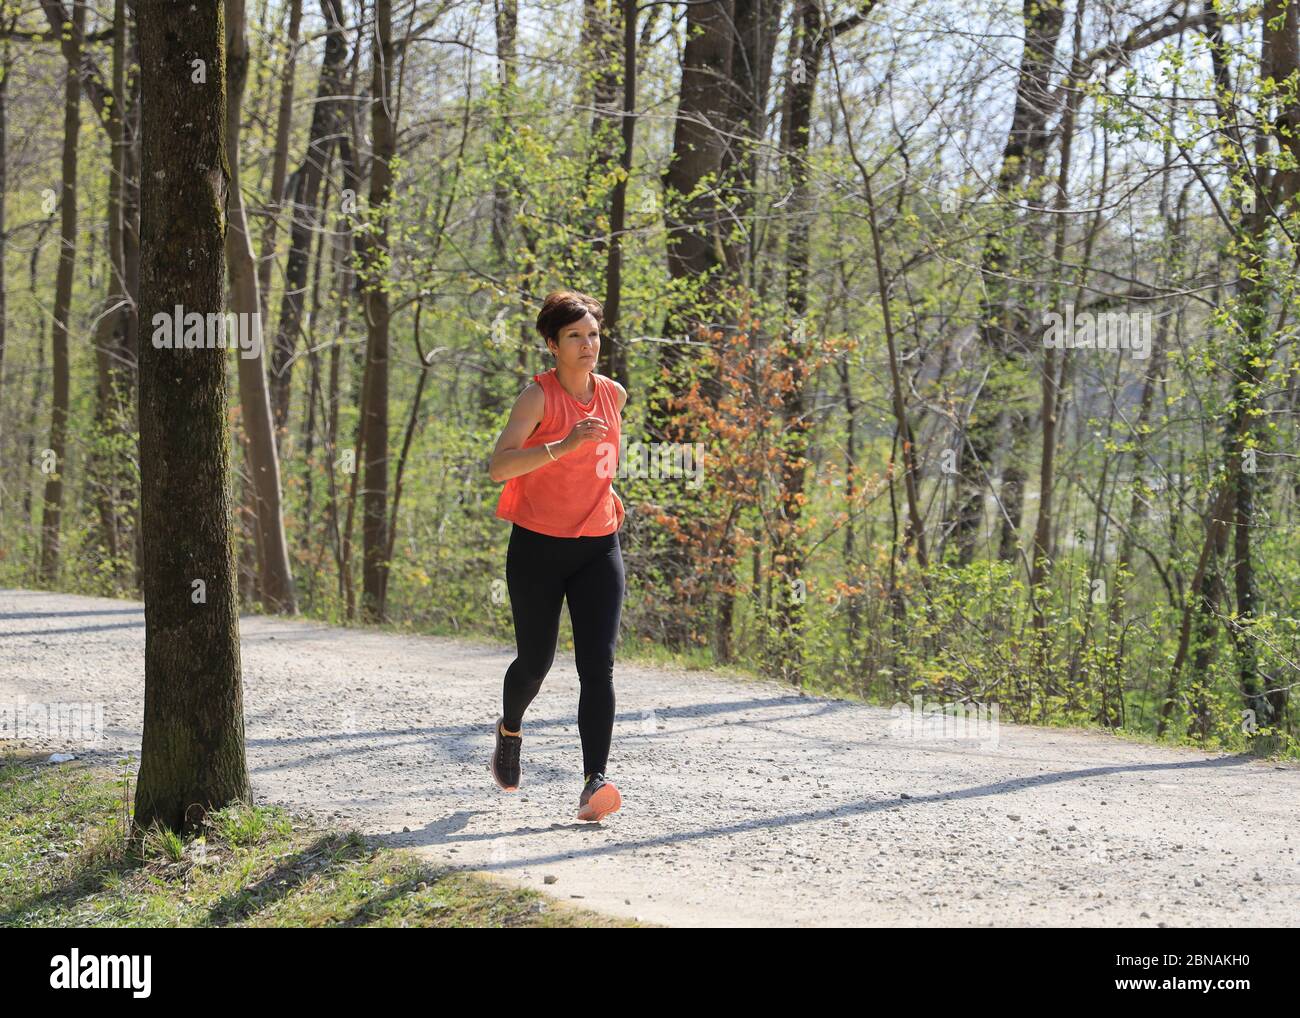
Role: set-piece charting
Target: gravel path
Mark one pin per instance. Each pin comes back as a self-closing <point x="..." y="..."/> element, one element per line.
<point x="743" y="802"/>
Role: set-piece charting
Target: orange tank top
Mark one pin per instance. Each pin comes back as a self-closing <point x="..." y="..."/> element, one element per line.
<point x="572" y="496"/>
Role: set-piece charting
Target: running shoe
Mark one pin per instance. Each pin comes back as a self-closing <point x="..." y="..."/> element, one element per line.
<point x="505" y="759"/>
<point x="599" y="798"/>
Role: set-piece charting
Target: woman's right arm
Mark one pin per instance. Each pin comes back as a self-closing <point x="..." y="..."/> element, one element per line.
<point x="508" y="458"/>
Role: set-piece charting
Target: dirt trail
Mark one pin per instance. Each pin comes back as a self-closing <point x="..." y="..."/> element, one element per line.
<point x="743" y="803"/>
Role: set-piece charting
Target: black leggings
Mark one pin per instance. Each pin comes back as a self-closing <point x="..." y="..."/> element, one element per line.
<point x="541" y="571"/>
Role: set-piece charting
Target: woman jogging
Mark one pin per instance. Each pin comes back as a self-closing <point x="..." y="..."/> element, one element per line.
<point x="558" y="455"/>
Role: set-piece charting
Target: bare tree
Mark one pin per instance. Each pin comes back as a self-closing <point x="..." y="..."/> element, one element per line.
<point x="52" y="516"/>
<point x="305" y="205"/>
<point x="263" y="461"/>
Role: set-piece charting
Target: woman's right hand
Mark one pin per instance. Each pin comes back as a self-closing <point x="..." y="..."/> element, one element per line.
<point x="589" y="429"/>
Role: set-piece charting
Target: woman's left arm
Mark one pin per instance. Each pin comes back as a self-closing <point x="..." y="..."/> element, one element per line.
<point x="622" y="396"/>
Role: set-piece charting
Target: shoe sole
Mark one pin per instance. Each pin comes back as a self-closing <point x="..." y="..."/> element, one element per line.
<point x="604" y="801"/>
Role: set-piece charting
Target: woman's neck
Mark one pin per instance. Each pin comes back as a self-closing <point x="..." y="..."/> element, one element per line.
<point x="582" y="382"/>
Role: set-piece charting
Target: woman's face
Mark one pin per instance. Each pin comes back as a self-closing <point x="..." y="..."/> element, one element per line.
<point x="579" y="344"/>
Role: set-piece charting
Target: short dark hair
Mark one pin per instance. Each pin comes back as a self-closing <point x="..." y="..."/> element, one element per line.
<point x="564" y="307"/>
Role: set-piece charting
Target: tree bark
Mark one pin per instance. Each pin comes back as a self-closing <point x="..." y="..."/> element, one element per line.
<point x="280" y="157"/>
<point x="757" y="24"/>
<point x="51" y="518"/>
<point x="694" y="246"/>
<point x="507" y="28"/>
<point x="374" y="524"/>
<point x="306" y="210"/>
<point x="112" y="483"/>
<point x="192" y="751"/>
<point x="276" y="584"/>
<point x="1050" y="390"/>
<point x="5" y="65"/>
<point x="1248" y="437"/>
<point x="613" y="351"/>
<point x="1003" y="328"/>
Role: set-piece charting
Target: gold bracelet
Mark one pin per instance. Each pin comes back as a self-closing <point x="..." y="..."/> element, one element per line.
<point x="547" y="447"/>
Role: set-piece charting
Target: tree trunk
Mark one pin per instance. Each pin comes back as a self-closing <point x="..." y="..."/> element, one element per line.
<point x="1002" y="329"/>
<point x="5" y="65"/>
<point x="614" y="350"/>
<point x="692" y="220"/>
<point x="111" y="482"/>
<point x="107" y="103"/>
<point x="374" y="524"/>
<point x="507" y="28"/>
<point x="263" y="461"/>
<point x="694" y="244"/>
<point x="1050" y="390"/>
<point x="1248" y="436"/>
<point x="600" y="43"/>
<point x="757" y="24"/>
<point x="280" y="157"/>
<point x="51" y="518"/>
<point x="192" y="752"/>
<point x="787" y="551"/>
<point x="305" y="208"/>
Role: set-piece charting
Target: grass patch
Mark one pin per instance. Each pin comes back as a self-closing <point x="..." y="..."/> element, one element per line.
<point x="64" y="862"/>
